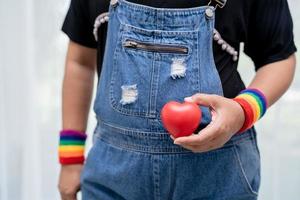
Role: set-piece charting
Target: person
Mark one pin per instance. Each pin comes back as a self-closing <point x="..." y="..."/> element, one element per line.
<point x="153" y="52"/>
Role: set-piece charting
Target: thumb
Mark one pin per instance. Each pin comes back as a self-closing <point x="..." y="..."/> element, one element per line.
<point x="207" y="100"/>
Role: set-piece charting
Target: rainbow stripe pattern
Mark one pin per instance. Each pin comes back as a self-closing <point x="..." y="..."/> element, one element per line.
<point x="71" y="147"/>
<point x="254" y="104"/>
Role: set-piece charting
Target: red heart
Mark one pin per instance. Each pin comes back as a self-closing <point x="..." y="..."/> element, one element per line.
<point x="181" y="119"/>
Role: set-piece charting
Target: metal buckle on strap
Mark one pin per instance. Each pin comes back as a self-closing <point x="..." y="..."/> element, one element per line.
<point x="218" y="3"/>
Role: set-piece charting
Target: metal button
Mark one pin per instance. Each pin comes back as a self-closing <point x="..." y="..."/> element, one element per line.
<point x="209" y="12"/>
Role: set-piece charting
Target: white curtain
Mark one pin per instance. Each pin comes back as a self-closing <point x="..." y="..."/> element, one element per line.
<point x="32" y="51"/>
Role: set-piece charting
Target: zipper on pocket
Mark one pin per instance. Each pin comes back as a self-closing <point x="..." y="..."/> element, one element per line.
<point x="155" y="47"/>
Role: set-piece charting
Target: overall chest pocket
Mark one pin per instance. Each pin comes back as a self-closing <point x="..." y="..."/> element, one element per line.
<point x="136" y="69"/>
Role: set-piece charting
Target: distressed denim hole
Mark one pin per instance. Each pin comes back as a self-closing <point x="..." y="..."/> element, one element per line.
<point x="178" y="68"/>
<point x="129" y="94"/>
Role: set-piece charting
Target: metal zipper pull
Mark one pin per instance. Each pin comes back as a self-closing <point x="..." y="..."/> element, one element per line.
<point x="130" y="44"/>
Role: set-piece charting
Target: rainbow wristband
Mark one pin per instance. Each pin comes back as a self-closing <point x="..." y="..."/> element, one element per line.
<point x="254" y="104"/>
<point x="71" y="147"/>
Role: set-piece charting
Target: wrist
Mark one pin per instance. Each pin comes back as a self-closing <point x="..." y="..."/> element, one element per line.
<point x="71" y="147"/>
<point x="71" y="167"/>
<point x="240" y="117"/>
<point x="254" y="105"/>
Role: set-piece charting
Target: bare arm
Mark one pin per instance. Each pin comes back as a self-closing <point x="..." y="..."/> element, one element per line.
<point x="76" y="98"/>
<point x="78" y="86"/>
<point x="228" y="116"/>
<point x="274" y="79"/>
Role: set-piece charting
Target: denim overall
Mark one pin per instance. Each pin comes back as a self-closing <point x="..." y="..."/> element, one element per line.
<point x="152" y="56"/>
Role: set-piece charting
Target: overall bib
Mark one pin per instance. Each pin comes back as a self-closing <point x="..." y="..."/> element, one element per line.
<point x="153" y="56"/>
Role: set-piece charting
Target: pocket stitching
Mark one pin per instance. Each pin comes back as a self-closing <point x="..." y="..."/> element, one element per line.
<point x="112" y="101"/>
<point x="243" y="172"/>
<point x="119" y="47"/>
<point x="190" y="34"/>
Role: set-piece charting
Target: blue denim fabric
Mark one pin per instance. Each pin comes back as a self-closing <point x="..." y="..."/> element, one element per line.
<point x="133" y="156"/>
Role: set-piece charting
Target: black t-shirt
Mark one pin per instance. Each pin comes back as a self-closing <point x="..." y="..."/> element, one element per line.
<point x="264" y="26"/>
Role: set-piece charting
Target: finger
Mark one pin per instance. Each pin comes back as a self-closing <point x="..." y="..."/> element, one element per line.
<point x="201" y="149"/>
<point x="208" y="134"/>
<point x="174" y="138"/>
<point x="201" y="138"/>
<point x="214" y="115"/>
<point x="214" y="144"/>
<point x="207" y="100"/>
<point x="192" y="148"/>
<point x="218" y="141"/>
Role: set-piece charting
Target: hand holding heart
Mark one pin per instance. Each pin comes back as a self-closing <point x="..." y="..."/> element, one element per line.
<point x="227" y="119"/>
<point x="181" y="119"/>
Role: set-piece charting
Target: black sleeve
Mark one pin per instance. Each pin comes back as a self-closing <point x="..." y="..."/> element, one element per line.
<point x="270" y="32"/>
<point x="77" y="25"/>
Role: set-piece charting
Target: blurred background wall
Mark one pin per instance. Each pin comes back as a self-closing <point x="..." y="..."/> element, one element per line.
<point x="32" y="51"/>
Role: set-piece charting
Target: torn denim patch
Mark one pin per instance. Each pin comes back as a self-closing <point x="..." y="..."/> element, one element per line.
<point x="178" y="68"/>
<point x="129" y="94"/>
